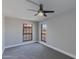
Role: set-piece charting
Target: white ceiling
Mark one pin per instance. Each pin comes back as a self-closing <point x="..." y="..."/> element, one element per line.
<point x="18" y="8"/>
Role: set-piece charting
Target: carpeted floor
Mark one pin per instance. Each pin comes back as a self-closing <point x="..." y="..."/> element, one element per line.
<point x="33" y="51"/>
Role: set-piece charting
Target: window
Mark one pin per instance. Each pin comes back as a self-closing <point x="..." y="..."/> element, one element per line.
<point x="43" y="32"/>
<point x="27" y="32"/>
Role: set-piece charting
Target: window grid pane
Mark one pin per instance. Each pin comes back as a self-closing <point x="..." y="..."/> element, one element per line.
<point x="43" y="32"/>
<point x="27" y="32"/>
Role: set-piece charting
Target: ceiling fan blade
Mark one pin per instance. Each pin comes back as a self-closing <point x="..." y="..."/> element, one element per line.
<point x="32" y="10"/>
<point x="33" y="2"/>
<point x="45" y="15"/>
<point x="36" y="14"/>
<point x="41" y="7"/>
<point x="48" y="11"/>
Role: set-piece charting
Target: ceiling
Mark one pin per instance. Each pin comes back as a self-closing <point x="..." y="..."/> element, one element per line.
<point x="19" y="8"/>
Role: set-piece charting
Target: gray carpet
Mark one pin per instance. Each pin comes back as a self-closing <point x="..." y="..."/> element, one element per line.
<point x="33" y="51"/>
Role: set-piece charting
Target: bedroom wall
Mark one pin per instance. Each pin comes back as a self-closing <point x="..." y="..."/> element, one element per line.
<point x="3" y="34"/>
<point x="14" y="28"/>
<point x="61" y="32"/>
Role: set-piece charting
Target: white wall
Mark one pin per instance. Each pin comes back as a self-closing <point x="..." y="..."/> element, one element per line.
<point x="14" y="30"/>
<point x="62" y="32"/>
<point x="3" y="34"/>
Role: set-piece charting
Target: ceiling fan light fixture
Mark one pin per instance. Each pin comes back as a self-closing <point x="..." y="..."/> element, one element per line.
<point x="40" y="14"/>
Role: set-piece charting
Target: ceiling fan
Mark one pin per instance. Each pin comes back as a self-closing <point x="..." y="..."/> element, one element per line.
<point x="40" y="11"/>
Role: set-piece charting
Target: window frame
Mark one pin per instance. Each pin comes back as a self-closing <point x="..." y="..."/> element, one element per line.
<point x="42" y="34"/>
<point x="27" y="33"/>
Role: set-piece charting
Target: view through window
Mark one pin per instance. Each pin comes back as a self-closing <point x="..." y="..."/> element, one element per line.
<point x="27" y="32"/>
<point x="43" y="32"/>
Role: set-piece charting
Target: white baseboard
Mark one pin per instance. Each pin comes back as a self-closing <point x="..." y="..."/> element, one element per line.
<point x="20" y="44"/>
<point x="59" y="50"/>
